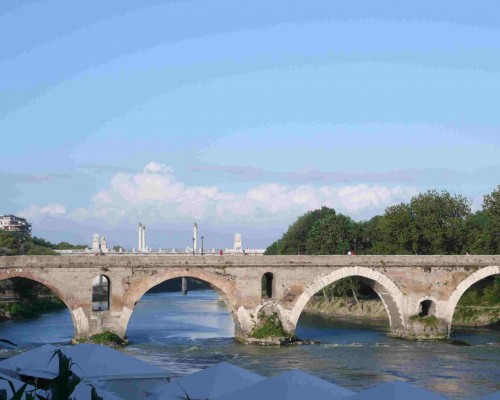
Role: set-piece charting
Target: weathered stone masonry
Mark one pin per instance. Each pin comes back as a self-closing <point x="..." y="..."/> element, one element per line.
<point x="402" y="282"/>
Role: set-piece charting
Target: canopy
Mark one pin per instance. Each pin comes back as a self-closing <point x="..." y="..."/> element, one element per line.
<point x="105" y="368"/>
<point x="291" y="385"/>
<point x="396" y="390"/>
<point x="83" y="391"/>
<point x="209" y="383"/>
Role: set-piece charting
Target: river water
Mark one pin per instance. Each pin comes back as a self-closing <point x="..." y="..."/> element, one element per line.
<point x="186" y="333"/>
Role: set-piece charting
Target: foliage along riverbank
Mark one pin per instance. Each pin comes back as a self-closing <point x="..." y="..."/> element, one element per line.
<point x="14" y="310"/>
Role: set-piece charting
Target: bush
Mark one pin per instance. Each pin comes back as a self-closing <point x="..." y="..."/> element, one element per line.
<point x="269" y="326"/>
<point x="107" y="338"/>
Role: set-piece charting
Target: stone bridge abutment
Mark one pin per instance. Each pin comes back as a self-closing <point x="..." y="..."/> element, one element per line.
<point x="407" y="285"/>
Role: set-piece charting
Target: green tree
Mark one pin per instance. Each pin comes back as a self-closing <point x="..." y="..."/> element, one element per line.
<point x="491" y="207"/>
<point x="440" y="222"/>
<point x="294" y="239"/>
<point x="333" y="234"/>
<point x="11" y="243"/>
<point x="479" y="239"/>
<point x="395" y="231"/>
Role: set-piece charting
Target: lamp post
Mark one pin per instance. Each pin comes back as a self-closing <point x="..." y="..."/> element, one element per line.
<point x="202" y="238"/>
<point x="367" y="245"/>
<point x="355" y="240"/>
<point x="193" y="245"/>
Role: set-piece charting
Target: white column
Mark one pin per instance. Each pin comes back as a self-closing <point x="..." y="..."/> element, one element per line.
<point x="144" y="248"/>
<point x="195" y="235"/>
<point x="139" y="248"/>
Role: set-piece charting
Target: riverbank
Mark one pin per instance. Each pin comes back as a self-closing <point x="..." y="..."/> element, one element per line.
<point x="14" y="310"/>
<point x="374" y="310"/>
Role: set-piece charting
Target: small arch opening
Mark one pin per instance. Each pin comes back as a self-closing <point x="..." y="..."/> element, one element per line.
<point x="267" y="285"/>
<point x="100" y="293"/>
<point x="427" y="308"/>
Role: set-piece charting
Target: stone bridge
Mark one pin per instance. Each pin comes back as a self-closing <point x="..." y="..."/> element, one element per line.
<point x="404" y="283"/>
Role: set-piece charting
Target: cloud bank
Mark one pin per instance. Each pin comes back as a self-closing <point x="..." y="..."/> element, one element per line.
<point x="154" y="195"/>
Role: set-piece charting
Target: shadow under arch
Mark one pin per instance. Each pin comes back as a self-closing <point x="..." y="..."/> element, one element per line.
<point x="389" y="293"/>
<point x="462" y="287"/>
<point x="220" y="285"/>
<point x="53" y="289"/>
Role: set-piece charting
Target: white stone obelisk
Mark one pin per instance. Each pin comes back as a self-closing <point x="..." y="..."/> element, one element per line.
<point x="195" y="236"/>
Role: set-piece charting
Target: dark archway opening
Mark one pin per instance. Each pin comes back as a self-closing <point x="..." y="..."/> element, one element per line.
<point x="479" y="306"/>
<point x="167" y="317"/>
<point x="267" y="282"/>
<point x="31" y="313"/>
<point x="347" y="308"/>
<point x="101" y="290"/>
<point x="427" y="308"/>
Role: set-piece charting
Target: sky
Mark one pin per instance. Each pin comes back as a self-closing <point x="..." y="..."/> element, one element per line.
<point x="240" y="116"/>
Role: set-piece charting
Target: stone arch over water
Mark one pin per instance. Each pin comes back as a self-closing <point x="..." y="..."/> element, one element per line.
<point x="78" y="318"/>
<point x="224" y="287"/>
<point x="463" y="286"/>
<point x="389" y="293"/>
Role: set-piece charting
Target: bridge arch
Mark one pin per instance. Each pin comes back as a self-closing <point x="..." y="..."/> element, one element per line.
<point x="389" y="293"/>
<point x="221" y="285"/>
<point x="464" y="285"/>
<point x="80" y="321"/>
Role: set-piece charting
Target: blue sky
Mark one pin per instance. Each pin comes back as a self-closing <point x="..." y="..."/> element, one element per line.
<point x="240" y="116"/>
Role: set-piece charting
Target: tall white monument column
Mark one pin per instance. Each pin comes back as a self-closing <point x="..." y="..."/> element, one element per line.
<point x="144" y="248"/>
<point x="195" y="236"/>
<point x="139" y="247"/>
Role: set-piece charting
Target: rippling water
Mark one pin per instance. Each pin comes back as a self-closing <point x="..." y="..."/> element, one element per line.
<point x="186" y="333"/>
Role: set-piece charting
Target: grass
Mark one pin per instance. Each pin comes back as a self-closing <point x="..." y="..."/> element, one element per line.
<point x="269" y="326"/>
<point x="427" y="321"/>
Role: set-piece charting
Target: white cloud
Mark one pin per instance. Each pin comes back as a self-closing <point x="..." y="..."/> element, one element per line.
<point x="36" y="211"/>
<point x="154" y="195"/>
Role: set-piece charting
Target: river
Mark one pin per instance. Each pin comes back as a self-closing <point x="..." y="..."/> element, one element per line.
<point x="186" y="333"/>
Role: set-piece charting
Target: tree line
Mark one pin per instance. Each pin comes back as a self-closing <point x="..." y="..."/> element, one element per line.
<point x="16" y="243"/>
<point x="430" y="223"/>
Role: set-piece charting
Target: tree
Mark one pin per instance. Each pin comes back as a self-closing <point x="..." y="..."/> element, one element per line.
<point x="440" y="222"/>
<point x="294" y="239"/>
<point x="10" y="242"/>
<point x="333" y="234"/>
<point x="395" y="231"/>
<point x="491" y="207"/>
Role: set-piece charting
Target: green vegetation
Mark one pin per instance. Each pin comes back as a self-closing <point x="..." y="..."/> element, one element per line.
<point x="269" y="326"/>
<point x="429" y="320"/>
<point x="107" y="338"/>
<point x="430" y="223"/>
<point x="19" y="310"/>
<point x="15" y="244"/>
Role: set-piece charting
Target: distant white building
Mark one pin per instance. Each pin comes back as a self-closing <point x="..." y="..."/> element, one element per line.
<point x="104" y="245"/>
<point x="11" y="223"/>
<point x="96" y="247"/>
<point x="237" y="241"/>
